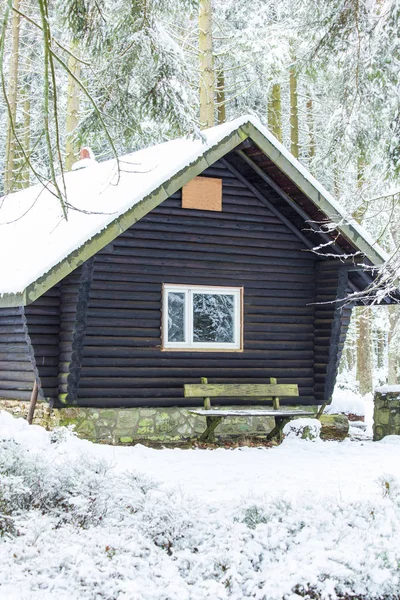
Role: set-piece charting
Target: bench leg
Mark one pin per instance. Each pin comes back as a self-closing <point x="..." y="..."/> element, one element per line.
<point x="277" y="432"/>
<point x="212" y="424"/>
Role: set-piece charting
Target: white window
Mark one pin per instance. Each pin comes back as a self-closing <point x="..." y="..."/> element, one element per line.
<point x="201" y="317"/>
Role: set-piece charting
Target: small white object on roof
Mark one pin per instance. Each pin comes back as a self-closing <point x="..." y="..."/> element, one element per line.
<point x="86" y="159"/>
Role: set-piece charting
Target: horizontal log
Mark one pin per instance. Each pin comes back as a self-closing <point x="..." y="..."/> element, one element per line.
<point x="11" y="365"/>
<point x="148" y="329"/>
<point x="15" y="354"/>
<point x="153" y="393"/>
<point x="111" y="351"/>
<point x="11" y="394"/>
<point x="9" y="330"/>
<point x="12" y="339"/>
<point x="231" y="210"/>
<point x="18" y="386"/>
<point x="11" y="312"/>
<point x="214" y="370"/>
<point x="143" y="229"/>
<point x="45" y="300"/>
<point x="247" y="244"/>
<point x="144" y="402"/>
<point x="43" y="329"/>
<point x="16" y="320"/>
<point x="164" y="385"/>
<point x="196" y="360"/>
<point x="17" y="376"/>
<point x="224" y="219"/>
<point x="34" y="311"/>
<point x="155" y="248"/>
<point x="198" y="261"/>
<point x="43" y="340"/>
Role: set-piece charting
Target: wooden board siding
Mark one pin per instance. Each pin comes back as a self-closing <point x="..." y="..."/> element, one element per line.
<point x="43" y="321"/>
<point x="244" y="245"/>
<point x="17" y="373"/>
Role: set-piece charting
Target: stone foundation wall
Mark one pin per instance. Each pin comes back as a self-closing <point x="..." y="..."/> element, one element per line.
<point x="386" y="411"/>
<point x="132" y="425"/>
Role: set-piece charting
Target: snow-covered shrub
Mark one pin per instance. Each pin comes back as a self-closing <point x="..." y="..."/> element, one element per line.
<point x="77" y="527"/>
<point x="60" y="435"/>
<point x="305" y="429"/>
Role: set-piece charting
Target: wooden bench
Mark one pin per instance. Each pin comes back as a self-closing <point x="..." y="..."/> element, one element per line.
<point x="246" y="392"/>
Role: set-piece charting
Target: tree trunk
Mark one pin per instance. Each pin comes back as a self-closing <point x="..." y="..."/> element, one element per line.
<point x="221" y="113"/>
<point x="206" y="65"/>
<point x="72" y="109"/>
<point x="11" y="142"/>
<point x="393" y="358"/>
<point x="24" y="175"/>
<point x="311" y="136"/>
<point x="294" y="115"/>
<point x="364" y="354"/>
<point x="274" y="112"/>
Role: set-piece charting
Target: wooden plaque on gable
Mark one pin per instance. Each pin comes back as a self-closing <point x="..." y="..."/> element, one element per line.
<point x="203" y="193"/>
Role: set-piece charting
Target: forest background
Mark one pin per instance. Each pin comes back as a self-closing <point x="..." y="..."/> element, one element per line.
<point x="119" y="75"/>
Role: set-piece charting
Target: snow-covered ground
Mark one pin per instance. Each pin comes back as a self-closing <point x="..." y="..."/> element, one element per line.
<point x="90" y="522"/>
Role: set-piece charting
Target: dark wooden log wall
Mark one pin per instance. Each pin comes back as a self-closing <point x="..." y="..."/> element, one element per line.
<point x="95" y="340"/>
<point x="74" y="303"/>
<point x="331" y="323"/>
<point x="244" y="245"/>
<point x="43" y="322"/>
<point x="17" y="371"/>
<point x="68" y="312"/>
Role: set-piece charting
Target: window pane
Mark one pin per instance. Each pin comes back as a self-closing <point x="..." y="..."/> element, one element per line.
<point x="213" y="318"/>
<point x="176" y="317"/>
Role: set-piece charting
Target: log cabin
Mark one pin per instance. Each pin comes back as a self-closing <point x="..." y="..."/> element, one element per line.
<point x="218" y="257"/>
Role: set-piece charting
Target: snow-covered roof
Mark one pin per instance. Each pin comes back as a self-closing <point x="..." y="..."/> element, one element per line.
<point x="39" y="247"/>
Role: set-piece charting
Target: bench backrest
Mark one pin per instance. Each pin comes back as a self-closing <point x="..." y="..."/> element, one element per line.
<point x="247" y="392"/>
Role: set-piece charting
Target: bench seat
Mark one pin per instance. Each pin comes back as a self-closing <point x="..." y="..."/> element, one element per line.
<point x="247" y="393"/>
<point x="216" y="412"/>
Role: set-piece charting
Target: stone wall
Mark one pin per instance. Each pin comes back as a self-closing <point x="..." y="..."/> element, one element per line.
<point x="386" y="411"/>
<point x="131" y="425"/>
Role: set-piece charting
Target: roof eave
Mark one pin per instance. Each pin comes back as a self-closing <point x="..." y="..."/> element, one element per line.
<point x="375" y="255"/>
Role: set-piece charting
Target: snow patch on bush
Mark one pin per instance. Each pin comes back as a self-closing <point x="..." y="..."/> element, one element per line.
<point x="305" y="429"/>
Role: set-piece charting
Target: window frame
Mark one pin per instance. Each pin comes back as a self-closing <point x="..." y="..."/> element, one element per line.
<point x="189" y="344"/>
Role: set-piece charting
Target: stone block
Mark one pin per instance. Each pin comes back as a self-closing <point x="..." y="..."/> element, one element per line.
<point x="386" y="413"/>
<point x="145" y="426"/>
<point x="107" y="414"/>
<point x="127" y="417"/>
<point x="86" y="429"/>
<point x="147" y="413"/>
<point x="334" y="427"/>
<point x="382" y="417"/>
<point x="378" y="433"/>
